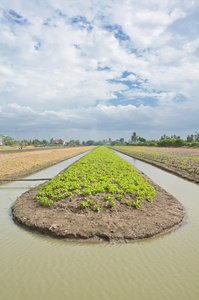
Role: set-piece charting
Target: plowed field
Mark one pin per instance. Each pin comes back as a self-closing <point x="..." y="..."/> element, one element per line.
<point x="22" y="162"/>
<point x="183" y="162"/>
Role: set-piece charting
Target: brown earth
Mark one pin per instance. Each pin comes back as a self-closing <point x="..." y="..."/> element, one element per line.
<point x="180" y="151"/>
<point x="122" y="223"/>
<point x="183" y="162"/>
<point x="15" y="164"/>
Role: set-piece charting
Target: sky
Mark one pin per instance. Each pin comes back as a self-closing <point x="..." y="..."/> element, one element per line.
<point x="99" y="69"/>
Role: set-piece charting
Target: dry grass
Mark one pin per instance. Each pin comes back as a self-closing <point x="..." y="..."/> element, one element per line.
<point x="14" y="163"/>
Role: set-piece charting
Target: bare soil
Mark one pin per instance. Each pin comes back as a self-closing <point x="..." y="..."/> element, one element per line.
<point x="122" y="223"/>
<point x="180" y="151"/>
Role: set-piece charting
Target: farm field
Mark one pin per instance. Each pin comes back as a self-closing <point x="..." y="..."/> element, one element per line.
<point x="183" y="162"/>
<point x="99" y="198"/>
<point x="19" y="163"/>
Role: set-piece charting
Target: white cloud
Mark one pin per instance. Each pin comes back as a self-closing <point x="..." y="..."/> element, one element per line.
<point x="105" y="121"/>
<point x="65" y="57"/>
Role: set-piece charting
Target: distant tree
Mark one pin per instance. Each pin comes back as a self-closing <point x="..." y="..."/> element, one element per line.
<point x="171" y="143"/>
<point x="45" y="142"/>
<point x="190" y="138"/>
<point x="61" y="142"/>
<point x="122" y="141"/>
<point x="36" y="142"/>
<point x="141" y="140"/>
<point x="175" y="137"/>
<point x="83" y="143"/>
<point x="179" y="143"/>
<point x="90" y="142"/>
<point x="196" y="137"/>
<point x="164" y="137"/>
<point x="72" y="142"/>
<point x="51" y="141"/>
<point x="165" y="142"/>
<point x="104" y="142"/>
<point x="9" y="141"/>
<point x="99" y="143"/>
<point x="134" y="137"/>
<point x="24" y="143"/>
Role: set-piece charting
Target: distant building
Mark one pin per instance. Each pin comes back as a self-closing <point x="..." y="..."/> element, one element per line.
<point x="65" y="143"/>
<point x="56" y="142"/>
<point x="1" y="139"/>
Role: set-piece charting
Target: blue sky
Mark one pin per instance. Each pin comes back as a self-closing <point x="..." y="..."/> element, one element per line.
<point x="99" y="69"/>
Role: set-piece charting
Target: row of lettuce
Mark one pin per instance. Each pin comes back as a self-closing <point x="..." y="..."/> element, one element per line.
<point x="99" y="172"/>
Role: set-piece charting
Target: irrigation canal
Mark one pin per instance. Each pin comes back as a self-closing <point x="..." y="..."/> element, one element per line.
<point x="37" y="267"/>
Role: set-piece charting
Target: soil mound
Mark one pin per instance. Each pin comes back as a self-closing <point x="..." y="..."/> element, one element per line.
<point x="121" y="223"/>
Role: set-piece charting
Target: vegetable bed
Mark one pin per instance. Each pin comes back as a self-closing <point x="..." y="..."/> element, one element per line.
<point x="182" y="162"/>
<point x="99" y="172"/>
<point x="99" y="198"/>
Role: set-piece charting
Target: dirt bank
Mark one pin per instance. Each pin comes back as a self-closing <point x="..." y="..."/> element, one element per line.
<point x="122" y="223"/>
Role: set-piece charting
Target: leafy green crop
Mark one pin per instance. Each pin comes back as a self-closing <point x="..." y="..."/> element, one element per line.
<point x="137" y="204"/>
<point x="128" y="202"/>
<point x="89" y="201"/>
<point x="86" y="204"/>
<point x="83" y="205"/>
<point x="119" y="197"/>
<point x="107" y="197"/>
<point x="99" y="172"/>
<point x="96" y="207"/>
<point x="112" y="203"/>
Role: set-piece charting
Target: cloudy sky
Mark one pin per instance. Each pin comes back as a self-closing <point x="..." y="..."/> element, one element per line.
<point x="92" y="69"/>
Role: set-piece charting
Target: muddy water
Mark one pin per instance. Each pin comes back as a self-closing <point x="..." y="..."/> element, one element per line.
<point x="37" y="267"/>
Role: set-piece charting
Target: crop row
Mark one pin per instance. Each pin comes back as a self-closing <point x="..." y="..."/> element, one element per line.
<point x="187" y="164"/>
<point x="99" y="172"/>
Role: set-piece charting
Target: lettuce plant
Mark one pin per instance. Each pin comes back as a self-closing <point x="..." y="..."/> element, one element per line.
<point x="100" y="171"/>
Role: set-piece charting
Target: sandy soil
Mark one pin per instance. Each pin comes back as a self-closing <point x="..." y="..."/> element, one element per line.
<point x="183" y="162"/>
<point x="16" y="164"/>
<point x="122" y="223"/>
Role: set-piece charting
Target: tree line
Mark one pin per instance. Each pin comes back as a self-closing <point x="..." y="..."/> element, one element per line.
<point x="164" y="141"/>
